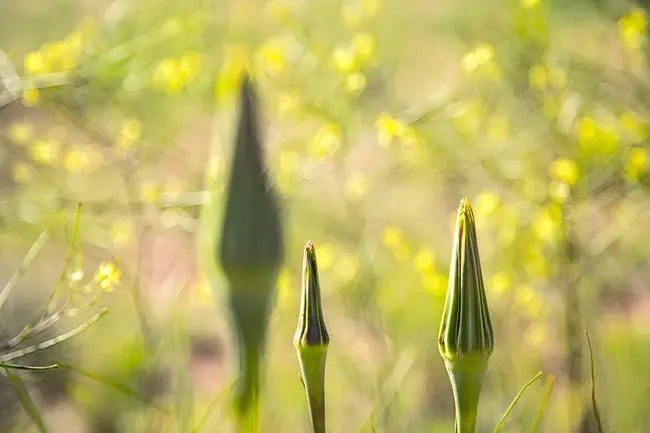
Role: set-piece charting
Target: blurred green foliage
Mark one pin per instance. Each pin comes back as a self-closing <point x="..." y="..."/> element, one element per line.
<point x="379" y="115"/>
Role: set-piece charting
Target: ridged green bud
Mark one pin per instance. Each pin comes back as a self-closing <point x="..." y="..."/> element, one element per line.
<point x="250" y="253"/>
<point x="466" y="338"/>
<point x="311" y="340"/>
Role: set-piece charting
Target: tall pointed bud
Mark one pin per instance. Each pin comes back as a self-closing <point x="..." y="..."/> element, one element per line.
<point x="311" y="340"/>
<point x="466" y="338"/>
<point x="250" y="253"/>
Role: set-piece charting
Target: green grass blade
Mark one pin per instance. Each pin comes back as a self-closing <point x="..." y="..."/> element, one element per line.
<point x="538" y="418"/>
<point x="27" y="261"/>
<point x="54" y="341"/>
<point x="26" y="400"/>
<point x="29" y="367"/>
<point x="593" y="385"/>
<point x="117" y="386"/>
<point x="514" y="402"/>
<point x="208" y="412"/>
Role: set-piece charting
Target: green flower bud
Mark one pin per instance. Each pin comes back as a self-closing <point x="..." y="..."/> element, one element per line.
<point x="251" y="252"/>
<point x="311" y="341"/>
<point x="466" y="338"/>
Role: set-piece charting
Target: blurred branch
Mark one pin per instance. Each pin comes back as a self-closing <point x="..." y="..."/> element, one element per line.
<point x="27" y="261"/>
<point x="25" y="399"/>
<point x="54" y="341"/>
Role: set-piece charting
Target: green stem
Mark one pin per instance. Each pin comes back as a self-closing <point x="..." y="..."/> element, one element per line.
<point x="466" y="379"/>
<point x="312" y="367"/>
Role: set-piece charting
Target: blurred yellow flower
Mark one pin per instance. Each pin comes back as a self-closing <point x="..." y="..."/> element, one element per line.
<point x="237" y="60"/>
<point x="486" y="203"/>
<point x="536" y="335"/>
<point x="498" y="129"/>
<point x="637" y="164"/>
<point x="20" y="132"/>
<point x="326" y="254"/>
<point x="370" y="7"/>
<point x="31" y="97"/>
<point x="108" y="276"/>
<point x="364" y="46"/>
<point x="81" y="158"/>
<point x="35" y="63"/>
<point x="545" y="225"/>
<point x="284" y="288"/>
<point x="326" y="142"/>
<point x="130" y="134"/>
<point x="392" y="237"/>
<point x="45" y="151"/>
<point x="289" y="162"/>
<point x="537" y="77"/>
<point x="528" y="4"/>
<point x="21" y="172"/>
<point x="272" y="55"/>
<point x="556" y="78"/>
<point x="434" y="283"/>
<point x="120" y="232"/>
<point x="565" y="170"/>
<point x="468" y="117"/>
<point x="356" y="186"/>
<point x="632" y="29"/>
<point x="559" y="191"/>
<point x="388" y="128"/>
<point x="499" y="283"/>
<point x="530" y="300"/>
<point x="424" y="261"/>
<point x="481" y="58"/>
<point x="355" y="82"/>
<point x="149" y="192"/>
<point x="347" y="267"/>
<point x="345" y="59"/>
<point x="289" y="104"/>
<point x="632" y="124"/>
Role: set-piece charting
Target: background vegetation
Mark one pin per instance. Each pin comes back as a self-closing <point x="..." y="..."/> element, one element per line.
<point x="379" y="116"/>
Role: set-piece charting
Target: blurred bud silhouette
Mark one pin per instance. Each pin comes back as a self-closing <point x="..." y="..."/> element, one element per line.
<point x="250" y="253"/>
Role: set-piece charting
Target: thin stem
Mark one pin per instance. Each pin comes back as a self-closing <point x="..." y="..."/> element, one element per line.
<point x="538" y="418"/>
<point x="54" y="341"/>
<point x="27" y="261"/>
<point x="514" y="402"/>
<point x="593" y="385"/>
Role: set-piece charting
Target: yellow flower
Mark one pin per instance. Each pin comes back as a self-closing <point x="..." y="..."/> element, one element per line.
<point x="498" y="129"/>
<point x="631" y="123"/>
<point x="45" y="151"/>
<point x="636" y="164"/>
<point x="31" y="97"/>
<point x="21" y="172"/>
<point x="130" y="134"/>
<point x="537" y="77"/>
<point x="326" y="256"/>
<point x="424" y="261"/>
<point x="364" y="46"/>
<point x="327" y="141"/>
<point x="345" y="59"/>
<point x="556" y="78"/>
<point x="120" y="232"/>
<point x="632" y="28"/>
<point x="565" y="170"/>
<point x="499" y="283"/>
<point x="107" y="276"/>
<point x="388" y="128"/>
<point x="272" y="55"/>
<point x="35" y="63"/>
<point x="20" y="132"/>
<point x="559" y="191"/>
<point x="355" y="82"/>
<point x="528" y="4"/>
<point x="81" y="158"/>
<point x="347" y="267"/>
<point x="356" y="186"/>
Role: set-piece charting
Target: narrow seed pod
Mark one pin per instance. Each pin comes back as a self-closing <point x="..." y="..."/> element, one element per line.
<point x="250" y="253"/>
<point x="311" y="340"/>
<point x="466" y="338"/>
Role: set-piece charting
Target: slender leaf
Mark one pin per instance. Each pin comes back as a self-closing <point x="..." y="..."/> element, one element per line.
<point x="29" y="367"/>
<point x="117" y="386"/>
<point x="538" y="418"/>
<point x="54" y="341"/>
<point x="514" y="402"/>
<point x="26" y="400"/>
<point x="27" y="261"/>
<point x="593" y="385"/>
